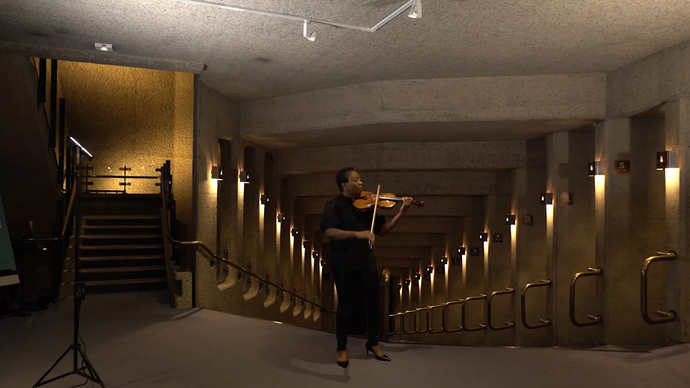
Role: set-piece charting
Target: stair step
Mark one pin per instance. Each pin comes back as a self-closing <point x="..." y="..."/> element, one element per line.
<point x="120" y="236"/>
<point x="122" y="269"/>
<point x="109" y="247"/>
<point x="111" y="258"/>
<point x="123" y="217"/>
<point x="123" y="282"/>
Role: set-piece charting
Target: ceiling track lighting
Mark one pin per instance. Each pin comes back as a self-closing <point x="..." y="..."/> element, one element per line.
<point x="414" y="6"/>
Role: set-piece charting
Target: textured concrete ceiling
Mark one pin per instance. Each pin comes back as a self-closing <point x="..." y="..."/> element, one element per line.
<point x="250" y="56"/>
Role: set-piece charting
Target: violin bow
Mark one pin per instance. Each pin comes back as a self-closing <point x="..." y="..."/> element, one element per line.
<point x="373" y="220"/>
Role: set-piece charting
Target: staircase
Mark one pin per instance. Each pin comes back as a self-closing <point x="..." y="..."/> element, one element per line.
<point x="121" y="244"/>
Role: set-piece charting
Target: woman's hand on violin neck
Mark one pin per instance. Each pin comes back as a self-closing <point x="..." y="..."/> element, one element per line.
<point x="406" y="203"/>
<point x="365" y="235"/>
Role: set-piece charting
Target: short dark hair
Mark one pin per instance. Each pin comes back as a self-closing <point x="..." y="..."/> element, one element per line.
<point x="342" y="177"/>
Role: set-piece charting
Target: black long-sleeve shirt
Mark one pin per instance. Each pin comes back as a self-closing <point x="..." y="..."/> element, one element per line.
<point x="340" y="213"/>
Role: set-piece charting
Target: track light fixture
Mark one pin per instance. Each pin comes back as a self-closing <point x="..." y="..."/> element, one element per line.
<point x="309" y="32"/>
<point x="416" y="10"/>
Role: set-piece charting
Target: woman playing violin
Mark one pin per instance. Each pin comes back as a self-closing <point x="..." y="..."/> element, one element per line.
<point x="352" y="260"/>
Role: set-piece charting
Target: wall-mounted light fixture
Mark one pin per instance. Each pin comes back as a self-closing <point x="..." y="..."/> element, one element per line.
<point x="429" y="269"/>
<point x="295" y="232"/>
<point x="510" y="219"/>
<point x="315" y="255"/>
<point x="244" y="177"/>
<point x="483" y="237"/>
<point x="105" y="47"/>
<point x="546" y="199"/>
<point x="444" y="260"/>
<point x="309" y="33"/>
<point x="265" y="199"/>
<point x="217" y="173"/>
<point x="596" y="168"/>
<point x="417" y="276"/>
<point x="667" y="159"/>
<point x="282" y="217"/>
<point x="399" y="286"/>
<point x="305" y="244"/>
<point x="461" y="250"/>
<point x="407" y="282"/>
<point x="323" y="263"/>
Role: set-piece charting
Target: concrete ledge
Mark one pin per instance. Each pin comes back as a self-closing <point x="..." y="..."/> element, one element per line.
<point x="579" y="96"/>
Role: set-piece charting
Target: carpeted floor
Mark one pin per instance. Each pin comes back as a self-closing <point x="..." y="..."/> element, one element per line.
<point x="136" y="341"/>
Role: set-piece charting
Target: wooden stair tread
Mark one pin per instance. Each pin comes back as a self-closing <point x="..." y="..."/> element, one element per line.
<point x="121" y="282"/>
<point x="112" y="258"/>
<point x="121" y="226"/>
<point x="121" y="236"/>
<point x="124" y="217"/>
<point x="103" y="247"/>
<point x="121" y="269"/>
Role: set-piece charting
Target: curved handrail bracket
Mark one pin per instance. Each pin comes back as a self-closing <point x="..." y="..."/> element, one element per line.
<point x="443" y="316"/>
<point x="416" y="314"/>
<point x="544" y="322"/>
<point x="593" y="320"/>
<point x="405" y="331"/>
<point x="669" y="316"/>
<point x="508" y="325"/>
<point x="464" y="314"/>
<point x="431" y="319"/>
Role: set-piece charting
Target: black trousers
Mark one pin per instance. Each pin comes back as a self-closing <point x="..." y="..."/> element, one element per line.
<point x="346" y="281"/>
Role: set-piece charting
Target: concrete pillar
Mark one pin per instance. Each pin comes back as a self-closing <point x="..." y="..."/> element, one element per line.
<point x="529" y="254"/>
<point x="630" y="226"/>
<point x="498" y="271"/>
<point x="573" y="248"/>
<point x="677" y="182"/>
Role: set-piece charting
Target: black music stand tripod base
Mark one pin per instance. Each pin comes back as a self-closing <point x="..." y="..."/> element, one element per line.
<point x="93" y="376"/>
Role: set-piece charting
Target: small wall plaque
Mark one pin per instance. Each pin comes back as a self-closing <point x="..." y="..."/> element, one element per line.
<point x="474" y="251"/>
<point x="621" y="167"/>
<point x="528" y="219"/>
<point x="456" y="261"/>
<point x="566" y="198"/>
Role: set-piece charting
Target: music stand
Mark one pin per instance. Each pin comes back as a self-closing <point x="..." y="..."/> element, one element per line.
<point x="79" y="293"/>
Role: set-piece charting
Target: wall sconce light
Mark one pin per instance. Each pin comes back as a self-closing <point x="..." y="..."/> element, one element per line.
<point x="265" y="199"/>
<point x="444" y="260"/>
<point x="429" y="269"/>
<point x="244" y="177"/>
<point x="510" y="219"/>
<point x="417" y="276"/>
<point x="547" y="198"/>
<point x="483" y="237"/>
<point x="407" y="282"/>
<point x="305" y="244"/>
<point x="282" y="217"/>
<point x="399" y="286"/>
<point x="667" y="159"/>
<point x="596" y="168"/>
<point x="323" y="263"/>
<point x="461" y="250"/>
<point x="315" y="255"/>
<point x="295" y="232"/>
<point x="217" y="173"/>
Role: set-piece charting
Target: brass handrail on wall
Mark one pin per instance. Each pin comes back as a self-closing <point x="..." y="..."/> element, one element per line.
<point x="544" y="322"/>
<point x="405" y="314"/>
<point x="443" y="316"/>
<point x="667" y="316"/>
<point x="416" y="314"/>
<point x="431" y="319"/>
<point x="202" y="246"/>
<point x="395" y="326"/>
<point x="508" y="325"/>
<point x="464" y="314"/>
<point x="593" y="320"/>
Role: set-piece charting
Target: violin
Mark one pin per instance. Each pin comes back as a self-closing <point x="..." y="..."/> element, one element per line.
<point x="367" y="201"/>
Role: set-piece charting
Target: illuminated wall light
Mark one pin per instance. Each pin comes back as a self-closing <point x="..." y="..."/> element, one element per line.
<point x="596" y="168"/>
<point x="429" y="269"/>
<point x="546" y="199"/>
<point x="444" y="260"/>
<point x="305" y="244"/>
<point x="461" y="251"/>
<point x="244" y="177"/>
<point x="323" y="263"/>
<point x="417" y="276"/>
<point x="282" y="217"/>
<point x="104" y="47"/>
<point x="667" y="159"/>
<point x="265" y="199"/>
<point x="315" y="255"/>
<point x="483" y="237"/>
<point x="295" y="232"/>
<point x="510" y="219"/>
<point x="399" y="287"/>
<point x="407" y="282"/>
<point x="217" y="173"/>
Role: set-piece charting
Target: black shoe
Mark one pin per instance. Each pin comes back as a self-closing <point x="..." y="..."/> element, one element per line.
<point x="380" y="358"/>
<point x="343" y="364"/>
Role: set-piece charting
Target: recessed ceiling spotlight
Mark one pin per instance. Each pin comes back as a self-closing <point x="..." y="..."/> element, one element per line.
<point x="105" y="47"/>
